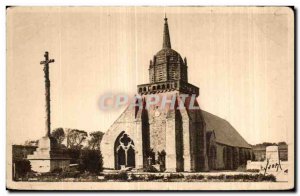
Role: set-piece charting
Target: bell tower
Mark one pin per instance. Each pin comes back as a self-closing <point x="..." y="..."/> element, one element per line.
<point x="167" y="137"/>
<point x="167" y="70"/>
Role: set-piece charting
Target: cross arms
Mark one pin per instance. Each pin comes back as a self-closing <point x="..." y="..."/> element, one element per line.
<point x="47" y="61"/>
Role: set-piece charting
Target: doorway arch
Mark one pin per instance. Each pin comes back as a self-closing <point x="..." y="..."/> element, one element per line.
<point x="124" y="151"/>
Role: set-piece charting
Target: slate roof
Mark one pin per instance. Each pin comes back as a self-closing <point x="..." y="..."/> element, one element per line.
<point x="224" y="131"/>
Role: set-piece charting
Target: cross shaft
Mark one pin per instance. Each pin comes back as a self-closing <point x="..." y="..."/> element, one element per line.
<point x="47" y="91"/>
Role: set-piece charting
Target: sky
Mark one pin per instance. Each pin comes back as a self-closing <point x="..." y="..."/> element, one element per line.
<point x="242" y="59"/>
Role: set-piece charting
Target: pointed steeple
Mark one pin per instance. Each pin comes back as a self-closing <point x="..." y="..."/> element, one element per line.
<point x="166" y="39"/>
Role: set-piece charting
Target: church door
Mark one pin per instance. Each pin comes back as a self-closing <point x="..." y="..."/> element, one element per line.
<point x="124" y="152"/>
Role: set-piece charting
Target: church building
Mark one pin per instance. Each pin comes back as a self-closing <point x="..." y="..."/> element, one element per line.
<point x="172" y="140"/>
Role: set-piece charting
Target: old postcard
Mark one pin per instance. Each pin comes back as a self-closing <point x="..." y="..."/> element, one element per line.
<point x="150" y="98"/>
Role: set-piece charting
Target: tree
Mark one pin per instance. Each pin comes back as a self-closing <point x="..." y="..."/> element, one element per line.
<point x="253" y="156"/>
<point x="74" y="155"/>
<point x="58" y="134"/>
<point x="31" y="142"/>
<point x="266" y="144"/>
<point x="91" y="161"/>
<point x="75" y="138"/>
<point x="282" y="144"/>
<point x="22" y="167"/>
<point x="94" y="142"/>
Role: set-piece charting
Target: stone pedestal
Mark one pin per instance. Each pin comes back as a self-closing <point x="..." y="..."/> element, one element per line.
<point x="47" y="157"/>
<point x="272" y="156"/>
<point x="272" y="153"/>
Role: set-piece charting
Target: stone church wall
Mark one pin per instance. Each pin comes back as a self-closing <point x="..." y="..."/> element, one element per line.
<point x="199" y="161"/>
<point x="220" y="158"/>
<point x="128" y="124"/>
<point x="180" y="134"/>
<point x="175" y="139"/>
<point x="179" y="141"/>
<point x="157" y="131"/>
<point x="231" y="158"/>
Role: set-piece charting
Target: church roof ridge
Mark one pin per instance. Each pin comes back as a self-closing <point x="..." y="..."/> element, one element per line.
<point x="225" y="133"/>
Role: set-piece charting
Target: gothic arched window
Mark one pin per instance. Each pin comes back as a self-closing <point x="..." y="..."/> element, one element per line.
<point x="124" y="151"/>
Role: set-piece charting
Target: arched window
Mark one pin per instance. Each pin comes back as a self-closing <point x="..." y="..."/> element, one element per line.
<point x="124" y="151"/>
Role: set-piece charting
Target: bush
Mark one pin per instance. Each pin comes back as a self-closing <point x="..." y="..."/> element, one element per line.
<point x="118" y="176"/>
<point x="22" y="167"/>
<point x="57" y="170"/>
<point x="74" y="155"/>
<point x="220" y="177"/>
<point x="175" y="176"/>
<point x="150" y="168"/>
<point x="70" y="174"/>
<point x="196" y="177"/>
<point x="147" y="177"/>
<point x="136" y="178"/>
<point x="243" y="177"/>
<point x="253" y="170"/>
<point x="91" y="161"/>
<point x="269" y="178"/>
<point x="154" y="177"/>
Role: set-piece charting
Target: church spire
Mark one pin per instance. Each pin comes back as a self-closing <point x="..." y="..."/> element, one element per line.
<point x="166" y="39"/>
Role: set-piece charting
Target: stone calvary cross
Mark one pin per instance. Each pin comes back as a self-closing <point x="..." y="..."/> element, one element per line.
<point x="46" y="63"/>
<point x="48" y="156"/>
